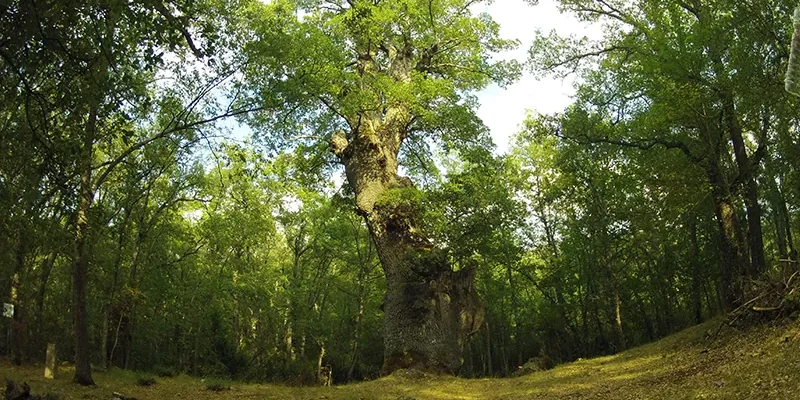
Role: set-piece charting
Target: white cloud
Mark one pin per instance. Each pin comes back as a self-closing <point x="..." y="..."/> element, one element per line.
<point x="502" y="110"/>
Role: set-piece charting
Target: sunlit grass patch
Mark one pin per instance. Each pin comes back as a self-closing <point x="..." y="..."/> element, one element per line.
<point x="761" y="363"/>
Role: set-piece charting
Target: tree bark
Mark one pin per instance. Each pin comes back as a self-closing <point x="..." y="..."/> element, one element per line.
<point x="16" y="283"/>
<point x="356" y="332"/>
<point x="783" y="228"/>
<point x="104" y="350"/>
<point x="787" y="223"/>
<point x="732" y="125"/>
<point x="694" y="262"/>
<point x="732" y="258"/>
<point x="80" y="263"/>
<point x="618" y="318"/>
<point x="513" y="314"/>
<point x="128" y="316"/>
<point x="755" y="235"/>
<point x="429" y="309"/>
<point x="487" y="368"/>
<point x="47" y="268"/>
<point x="104" y="339"/>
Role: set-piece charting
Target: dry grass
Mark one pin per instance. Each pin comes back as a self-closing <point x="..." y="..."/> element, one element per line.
<point x="761" y="363"/>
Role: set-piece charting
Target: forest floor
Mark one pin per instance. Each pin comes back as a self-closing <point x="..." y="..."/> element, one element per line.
<point x="762" y="362"/>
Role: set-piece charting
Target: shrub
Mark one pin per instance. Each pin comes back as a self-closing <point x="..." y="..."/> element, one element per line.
<point x="218" y="386"/>
<point x="164" y="372"/>
<point x="146" y="381"/>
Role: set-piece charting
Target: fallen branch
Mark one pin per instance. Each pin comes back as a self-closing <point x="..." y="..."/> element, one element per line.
<point x="737" y="315"/>
<point x="768" y="309"/>
<point x="120" y="396"/>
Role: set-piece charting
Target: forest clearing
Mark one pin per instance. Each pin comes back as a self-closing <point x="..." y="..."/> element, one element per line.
<point x="757" y="363"/>
<point x="299" y="192"/>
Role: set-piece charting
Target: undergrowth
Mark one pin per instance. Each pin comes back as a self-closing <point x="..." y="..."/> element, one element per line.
<point x="761" y="361"/>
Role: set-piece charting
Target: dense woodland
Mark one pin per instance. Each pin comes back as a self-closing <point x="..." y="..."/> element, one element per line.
<point x="271" y="190"/>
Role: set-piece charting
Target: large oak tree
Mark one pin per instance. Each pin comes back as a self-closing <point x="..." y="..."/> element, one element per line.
<point x="373" y="81"/>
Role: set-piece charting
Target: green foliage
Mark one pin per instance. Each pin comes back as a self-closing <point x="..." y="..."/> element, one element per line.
<point x="214" y="255"/>
<point x="146" y="381"/>
<point x="318" y="73"/>
<point x="218" y="385"/>
<point x="52" y="396"/>
<point x="163" y="371"/>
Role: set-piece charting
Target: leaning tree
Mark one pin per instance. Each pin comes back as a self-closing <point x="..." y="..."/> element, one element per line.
<point x="375" y="82"/>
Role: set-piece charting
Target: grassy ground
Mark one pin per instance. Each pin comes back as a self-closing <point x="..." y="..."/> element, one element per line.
<point x="761" y="363"/>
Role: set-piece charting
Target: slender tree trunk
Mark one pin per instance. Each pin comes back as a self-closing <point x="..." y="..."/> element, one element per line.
<point x="780" y="237"/>
<point x="16" y="283"/>
<point x="116" y="340"/>
<point x="731" y="123"/>
<point x="129" y="316"/>
<point x="755" y="236"/>
<point x="601" y="342"/>
<point x="47" y="268"/>
<point x="356" y="334"/>
<point x="80" y="265"/>
<point x="288" y="333"/>
<point x="560" y="302"/>
<point x="789" y="237"/>
<point x="514" y="311"/>
<point x="648" y="324"/>
<point x="584" y="319"/>
<point x="97" y="78"/>
<point x="786" y="223"/>
<point x="488" y="370"/>
<point x="712" y="302"/>
<point x="503" y="344"/>
<point x="694" y="262"/>
<point x="195" y="346"/>
<point x="618" y="318"/>
<point x="112" y="290"/>
<point x="322" y="378"/>
<point x="777" y="218"/>
<point x="104" y="339"/>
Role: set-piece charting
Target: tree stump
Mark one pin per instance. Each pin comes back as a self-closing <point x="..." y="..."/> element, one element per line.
<point x="15" y="391"/>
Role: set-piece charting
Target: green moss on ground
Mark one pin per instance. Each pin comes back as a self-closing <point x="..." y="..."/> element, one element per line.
<point x="760" y="363"/>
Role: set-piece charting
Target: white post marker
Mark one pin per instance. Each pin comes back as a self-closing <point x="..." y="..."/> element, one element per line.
<point x="8" y="312"/>
<point x="50" y="364"/>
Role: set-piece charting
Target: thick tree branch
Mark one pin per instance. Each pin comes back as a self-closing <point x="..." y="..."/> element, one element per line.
<point x="580" y="56"/>
<point x="110" y="165"/>
<point x="692" y="8"/>
<point x="159" y="6"/>
<point x="642" y="144"/>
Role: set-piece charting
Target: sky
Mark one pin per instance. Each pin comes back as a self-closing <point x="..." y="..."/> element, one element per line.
<point x="503" y="109"/>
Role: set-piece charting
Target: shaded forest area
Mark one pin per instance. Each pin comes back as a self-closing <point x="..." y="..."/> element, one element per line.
<point x="141" y="229"/>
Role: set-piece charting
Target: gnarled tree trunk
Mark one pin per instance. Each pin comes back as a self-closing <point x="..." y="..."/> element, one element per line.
<point x="429" y="309"/>
<point x="733" y="261"/>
